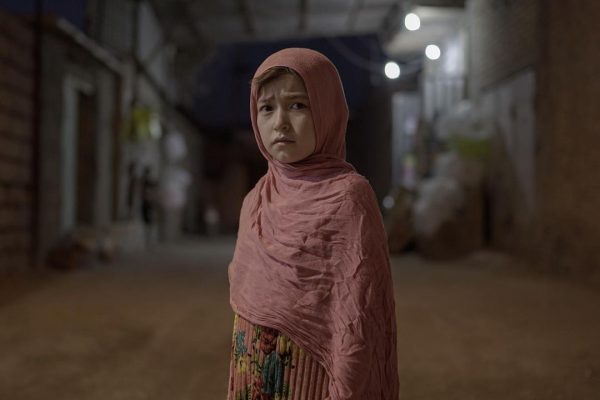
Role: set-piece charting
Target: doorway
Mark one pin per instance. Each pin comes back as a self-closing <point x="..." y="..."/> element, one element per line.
<point x="78" y="166"/>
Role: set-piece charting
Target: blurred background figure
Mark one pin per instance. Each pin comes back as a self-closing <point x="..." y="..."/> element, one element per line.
<point x="211" y="219"/>
<point x="133" y="189"/>
<point x="149" y="206"/>
<point x="174" y="185"/>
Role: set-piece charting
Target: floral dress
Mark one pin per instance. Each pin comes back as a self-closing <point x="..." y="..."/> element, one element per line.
<point x="267" y="365"/>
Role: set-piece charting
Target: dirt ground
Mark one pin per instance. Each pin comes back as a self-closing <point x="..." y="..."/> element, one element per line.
<point x="157" y="325"/>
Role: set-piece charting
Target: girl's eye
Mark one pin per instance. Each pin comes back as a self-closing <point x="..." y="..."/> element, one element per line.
<point x="298" y="106"/>
<point x="265" y="108"/>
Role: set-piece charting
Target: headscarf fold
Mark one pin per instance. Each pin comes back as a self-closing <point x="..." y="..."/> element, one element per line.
<point x="311" y="257"/>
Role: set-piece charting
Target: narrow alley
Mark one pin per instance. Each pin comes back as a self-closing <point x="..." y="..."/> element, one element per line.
<point x="299" y="200"/>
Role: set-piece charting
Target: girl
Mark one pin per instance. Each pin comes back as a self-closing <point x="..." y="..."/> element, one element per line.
<point x="310" y="280"/>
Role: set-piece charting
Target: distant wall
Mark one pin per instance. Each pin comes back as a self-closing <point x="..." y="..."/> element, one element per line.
<point x="16" y="136"/>
<point x="369" y="141"/>
<point x="503" y="39"/>
<point x="79" y="132"/>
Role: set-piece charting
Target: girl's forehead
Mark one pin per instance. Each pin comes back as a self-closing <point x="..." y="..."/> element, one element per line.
<point x="283" y="84"/>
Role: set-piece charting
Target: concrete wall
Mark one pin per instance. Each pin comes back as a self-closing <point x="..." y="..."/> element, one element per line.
<point x="16" y="138"/>
<point x="504" y="38"/>
<point x="503" y="52"/>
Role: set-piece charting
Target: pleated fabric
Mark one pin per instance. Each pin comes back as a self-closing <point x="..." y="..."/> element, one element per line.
<point x="267" y="365"/>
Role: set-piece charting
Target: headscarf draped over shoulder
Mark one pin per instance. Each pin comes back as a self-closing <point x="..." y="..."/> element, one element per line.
<point x="311" y="257"/>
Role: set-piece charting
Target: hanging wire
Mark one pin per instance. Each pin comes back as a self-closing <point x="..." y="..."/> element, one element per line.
<point x="354" y="58"/>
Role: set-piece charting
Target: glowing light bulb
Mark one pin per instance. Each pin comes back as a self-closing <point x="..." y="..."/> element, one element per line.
<point x="433" y="52"/>
<point x="412" y="22"/>
<point x="392" y="70"/>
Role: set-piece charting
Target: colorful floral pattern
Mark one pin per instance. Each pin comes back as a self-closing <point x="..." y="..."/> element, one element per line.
<point x="267" y="365"/>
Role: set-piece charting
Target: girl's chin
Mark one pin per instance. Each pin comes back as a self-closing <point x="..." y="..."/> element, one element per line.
<point x="288" y="154"/>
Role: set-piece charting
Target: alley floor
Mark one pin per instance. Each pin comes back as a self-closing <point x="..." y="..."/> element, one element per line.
<point x="157" y="326"/>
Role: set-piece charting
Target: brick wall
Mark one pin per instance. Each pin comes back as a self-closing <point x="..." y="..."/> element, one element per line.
<point x="558" y="41"/>
<point x="16" y="114"/>
<point x="569" y="140"/>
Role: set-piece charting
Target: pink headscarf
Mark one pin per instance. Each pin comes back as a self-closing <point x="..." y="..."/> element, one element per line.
<point x="311" y="258"/>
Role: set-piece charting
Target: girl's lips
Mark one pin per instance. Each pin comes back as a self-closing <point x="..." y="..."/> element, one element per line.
<point x="277" y="141"/>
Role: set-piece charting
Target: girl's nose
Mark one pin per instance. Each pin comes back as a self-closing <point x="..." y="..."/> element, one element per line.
<point x="281" y="120"/>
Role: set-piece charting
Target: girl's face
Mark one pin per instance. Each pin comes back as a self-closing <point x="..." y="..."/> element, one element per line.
<point x="284" y="119"/>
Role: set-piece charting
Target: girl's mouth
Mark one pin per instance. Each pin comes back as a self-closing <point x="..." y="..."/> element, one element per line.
<point x="282" y="141"/>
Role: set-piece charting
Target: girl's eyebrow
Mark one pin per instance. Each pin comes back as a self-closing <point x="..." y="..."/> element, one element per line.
<point x="295" y="95"/>
<point x="288" y="95"/>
